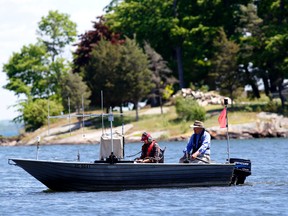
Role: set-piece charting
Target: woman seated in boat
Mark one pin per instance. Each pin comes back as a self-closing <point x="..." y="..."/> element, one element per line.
<point x="151" y="151"/>
<point x="199" y="144"/>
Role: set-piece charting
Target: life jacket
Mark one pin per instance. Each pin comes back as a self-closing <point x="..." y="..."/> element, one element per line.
<point x="150" y="148"/>
<point x="197" y="145"/>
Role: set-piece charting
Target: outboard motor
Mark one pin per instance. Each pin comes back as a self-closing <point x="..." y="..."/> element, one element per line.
<point x="241" y="171"/>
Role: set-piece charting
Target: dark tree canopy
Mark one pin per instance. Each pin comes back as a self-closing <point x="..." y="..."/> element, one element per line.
<point x="90" y="39"/>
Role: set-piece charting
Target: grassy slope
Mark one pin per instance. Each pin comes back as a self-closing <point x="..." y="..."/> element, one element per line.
<point x="175" y="127"/>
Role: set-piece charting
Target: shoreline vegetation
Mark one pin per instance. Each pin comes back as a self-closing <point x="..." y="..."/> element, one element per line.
<point x="241" y="125"/>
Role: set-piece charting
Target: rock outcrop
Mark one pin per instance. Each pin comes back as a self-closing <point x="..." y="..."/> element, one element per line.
<point x="267" y="125"/>
<point x="203" y="98"/>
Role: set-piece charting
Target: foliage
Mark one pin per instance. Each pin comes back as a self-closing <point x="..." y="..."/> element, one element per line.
<point x="36" y="70"/>
<point x="35" y="112"/>
<point x="26" y="70"/>
<point x="120" y="71"/>
<point x="272" y="107"/>
<point x="168" y="91"/>
<point x="162" y="74"/>
<point x="135" y="72"/>
<point x="101" y="73"/>
<point x="265" y="46"/>
<point x="188" y="109"/>
<point x="180" y="31"/>
<point x="89" y="40"/>
<point x="225" y="73"/>
<point x="56" y="30"/>
<point x="73" y="91"/>
<point x="33" y="71"/>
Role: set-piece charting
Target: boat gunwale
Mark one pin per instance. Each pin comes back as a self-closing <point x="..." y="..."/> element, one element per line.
<point x="116" y="163"/>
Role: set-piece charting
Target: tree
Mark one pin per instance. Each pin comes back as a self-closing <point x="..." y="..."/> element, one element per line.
<point x="120" y="71"/>
<point x="36" y="70"/>
<point x="182" y="32"/>
<point x="83" y="54"/>
<point x="56" y="31"/>
<point x="102" y="71"/>
<point x="226" y="73"/>
<point x="162" y="74"/>
<point x="73" y="87"/>
<point x="90" y="39"/>
<point x="250" y="41"/>
<point x="27" y="71"/>
<point x="135" y="70"/>
<point x="34" y="112"/>
<point x="268" y="41"/>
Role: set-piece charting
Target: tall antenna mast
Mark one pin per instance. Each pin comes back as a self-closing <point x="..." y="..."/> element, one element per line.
<point x="69" y="115"/>
<point x="48" y="119"/>
<point x="102" y="107"/>
<point x="83" y="135"/>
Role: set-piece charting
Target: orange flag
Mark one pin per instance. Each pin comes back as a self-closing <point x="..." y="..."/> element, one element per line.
<point x="222" y="118"/>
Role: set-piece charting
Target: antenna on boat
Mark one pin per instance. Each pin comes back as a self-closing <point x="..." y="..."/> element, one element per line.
<point x="83" y="135"/>
<point x="48" y="118"/>
<point x="102" y="107"/>
<point x="69" y="115"/>
<point x="38" y="144"/>
<point x="111" y="119"/>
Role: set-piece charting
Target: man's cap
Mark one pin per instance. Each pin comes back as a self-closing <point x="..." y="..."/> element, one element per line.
<point x="197" y="124"/>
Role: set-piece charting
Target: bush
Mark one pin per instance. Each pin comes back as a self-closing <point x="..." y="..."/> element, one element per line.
<point x="35" y="113"/>
<point x="189" y="110"/>
<point x="272" y="107"/>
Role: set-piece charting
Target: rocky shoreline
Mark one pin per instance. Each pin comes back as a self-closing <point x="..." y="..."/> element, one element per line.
<point x="268" y="125"/>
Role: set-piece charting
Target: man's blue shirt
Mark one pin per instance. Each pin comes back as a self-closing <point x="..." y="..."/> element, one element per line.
<point x="205" y="140"/>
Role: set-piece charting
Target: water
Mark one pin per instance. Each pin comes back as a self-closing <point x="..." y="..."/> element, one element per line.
<point x="265" y="192"/>
<point x="9" y="128"/>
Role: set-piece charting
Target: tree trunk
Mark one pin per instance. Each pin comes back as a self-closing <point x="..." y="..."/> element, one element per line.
<point x="137" y="113"/>
<point x="179" y="54"/>
<point x="161" y="105"/>
<point x="180" y="66"/>
<point x="252" y="83"/>
<point x="266" y="86"/>
<point x="282" y="98"/>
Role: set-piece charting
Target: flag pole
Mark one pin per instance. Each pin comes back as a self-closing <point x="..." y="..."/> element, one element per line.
<point x="227" y="134"/>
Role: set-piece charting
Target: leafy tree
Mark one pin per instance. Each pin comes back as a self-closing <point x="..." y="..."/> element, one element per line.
<point x="250" y="41"/>
<point x="56" y="31"/>
<point x="34" y="113"/>
<point x="135" y="72"/>
<point x="27" y="71"/>
<point x="36" y="70"/>
<point x="120" y="71"/>
<point x="73" y="87"/>
<point x="89" y="40"/>
<point x="83" y="54"/>
<point x="102" y="72"/>
<point x="226" y="73"/>
<point x="181" y="31"/>
<point x="270" y="52"/>
<point x="162" y="74"/>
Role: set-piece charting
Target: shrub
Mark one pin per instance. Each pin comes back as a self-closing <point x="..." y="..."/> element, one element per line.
<point x="189" y="110"/>
<point x="271" y="107"/>
<point x="35" y="113"/>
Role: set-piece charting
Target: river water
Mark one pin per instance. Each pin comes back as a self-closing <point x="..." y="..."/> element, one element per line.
<point x="264" y="193"/>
